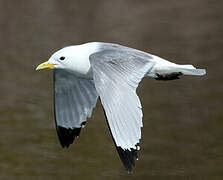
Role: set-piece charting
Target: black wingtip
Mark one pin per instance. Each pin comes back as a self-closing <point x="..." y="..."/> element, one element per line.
<point x="67" y="135"/>
<point x="128" y="157"/>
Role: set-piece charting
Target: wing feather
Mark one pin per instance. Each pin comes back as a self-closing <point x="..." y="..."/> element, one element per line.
<point x="116" y="76"/>
<point x="74" y="100"/>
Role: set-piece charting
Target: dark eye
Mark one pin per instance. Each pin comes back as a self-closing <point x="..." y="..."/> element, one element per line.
<point x="62" y="58"/>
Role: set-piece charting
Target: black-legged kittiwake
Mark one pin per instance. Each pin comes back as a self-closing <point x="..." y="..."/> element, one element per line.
<point x="112" y="72"/>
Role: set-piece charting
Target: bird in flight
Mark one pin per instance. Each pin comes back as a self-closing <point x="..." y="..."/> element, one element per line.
<point x="112" y="72"/>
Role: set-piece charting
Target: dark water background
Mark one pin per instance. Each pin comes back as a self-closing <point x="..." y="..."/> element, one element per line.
<point x="183" y="120"/>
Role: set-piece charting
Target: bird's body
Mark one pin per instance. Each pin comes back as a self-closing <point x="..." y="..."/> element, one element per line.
<point x="82" y="66"/>
<point x="82" y="73"/>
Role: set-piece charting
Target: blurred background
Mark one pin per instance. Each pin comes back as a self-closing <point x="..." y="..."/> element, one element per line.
<point x="182" y="137"/>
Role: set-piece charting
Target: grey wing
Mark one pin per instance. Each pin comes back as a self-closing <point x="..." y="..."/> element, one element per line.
<point x="74" y="100"/>
<point x="117" y="75"/>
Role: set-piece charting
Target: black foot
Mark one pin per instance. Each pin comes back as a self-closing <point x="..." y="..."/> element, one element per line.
<point x="171" y="76"/>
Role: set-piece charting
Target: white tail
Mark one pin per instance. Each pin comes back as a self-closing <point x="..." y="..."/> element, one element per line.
<point x="191" y="70"/>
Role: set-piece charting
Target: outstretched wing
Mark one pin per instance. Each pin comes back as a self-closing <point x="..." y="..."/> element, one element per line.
<point x="116" y="76"/>
<point x="74" y="100"/>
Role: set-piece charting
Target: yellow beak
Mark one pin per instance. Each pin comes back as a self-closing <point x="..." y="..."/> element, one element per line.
<point x="44" y="66"/>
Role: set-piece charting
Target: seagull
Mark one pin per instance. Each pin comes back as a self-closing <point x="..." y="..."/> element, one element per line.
<point x="111" y="72"/>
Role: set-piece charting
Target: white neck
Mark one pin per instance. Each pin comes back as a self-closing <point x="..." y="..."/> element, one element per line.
<point x="81" y="53"/>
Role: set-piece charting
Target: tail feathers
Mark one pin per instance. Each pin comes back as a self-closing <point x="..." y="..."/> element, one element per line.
<point x="191" y="70"/>
<point x="189" y="66"/>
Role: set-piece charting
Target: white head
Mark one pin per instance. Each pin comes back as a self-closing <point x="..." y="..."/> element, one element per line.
<point x="71" y="58"/>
